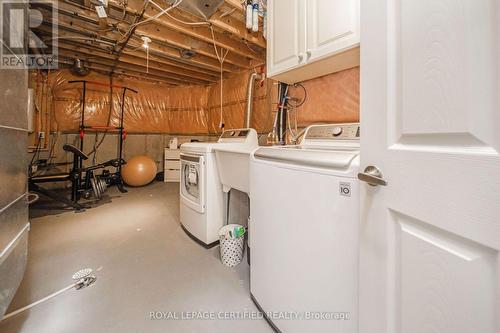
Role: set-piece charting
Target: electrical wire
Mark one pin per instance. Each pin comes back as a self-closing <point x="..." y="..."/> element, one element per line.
<point x="154" y="17"/>
<point x="221" y="59"/>
<point x="221" y="56"/>
<point x="96" y="146"/>
<point x="303" y="99"/>
<point x="52" y="146"/>
<point x="36" y="153"/>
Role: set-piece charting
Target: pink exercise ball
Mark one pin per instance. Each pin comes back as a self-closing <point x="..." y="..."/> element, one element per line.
<point x="139" y="171"/>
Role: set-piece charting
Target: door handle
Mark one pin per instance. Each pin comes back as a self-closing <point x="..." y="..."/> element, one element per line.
<point x="372" y="176"/>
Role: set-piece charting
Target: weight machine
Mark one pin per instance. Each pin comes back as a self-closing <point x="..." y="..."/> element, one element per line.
<point x="116" y="177"/>
<point x="83" y="181"/>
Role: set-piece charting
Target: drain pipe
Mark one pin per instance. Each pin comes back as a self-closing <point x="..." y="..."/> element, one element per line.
<point x="249" y="106"/>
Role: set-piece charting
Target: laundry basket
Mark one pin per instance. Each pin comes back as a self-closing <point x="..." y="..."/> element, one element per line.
<point x="232" y="244"/>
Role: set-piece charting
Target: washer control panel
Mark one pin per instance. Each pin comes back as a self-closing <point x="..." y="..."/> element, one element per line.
<point x="245" y="136"/>
<point x="236" y="133"/>
<point x="349" y="131"/>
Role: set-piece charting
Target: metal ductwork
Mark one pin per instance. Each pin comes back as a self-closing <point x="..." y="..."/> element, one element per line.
<point x="200" y="8"/>
<point x="249" y="106"/>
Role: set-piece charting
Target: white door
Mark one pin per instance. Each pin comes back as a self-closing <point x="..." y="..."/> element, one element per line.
<point x="332" y="27"/>
<point x="430" y="113"/>
<point x="286" y="29"/>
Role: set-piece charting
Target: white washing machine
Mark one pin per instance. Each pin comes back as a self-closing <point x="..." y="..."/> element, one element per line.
<point x="202" y="206"/>
<point x="303" y="231"/>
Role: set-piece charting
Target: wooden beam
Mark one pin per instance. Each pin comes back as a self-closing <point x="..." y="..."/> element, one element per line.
<point x="128" y="67"/>
<point x="74" y="17"/>
<point x="197" y="60"/>
<point x="121" y="68"/>
<point x="155" y="50"/>
<point x="165" y="35"/>
<point x="127" y="59"/>
<point x="67" y="62"/>
<point x="159" y="33"/>
<point x="199" y="32"/>
<point x="167" y="61"/>
<point x="235" y="3"/>
<point x="239" y="30"/>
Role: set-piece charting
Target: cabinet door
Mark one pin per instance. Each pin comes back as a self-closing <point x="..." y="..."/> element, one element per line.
<point x="286" y="31"/>
<point x="332" y="27"/>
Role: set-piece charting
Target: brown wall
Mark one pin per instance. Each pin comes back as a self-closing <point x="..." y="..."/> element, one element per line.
<point x="195" y="110"/>
<point x="234" y="104"/>
<point x="331" y="98"/>
<point x="155" y="109"/>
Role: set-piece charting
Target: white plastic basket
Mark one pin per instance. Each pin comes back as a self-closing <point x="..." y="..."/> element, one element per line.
<point x="231" y="249"/>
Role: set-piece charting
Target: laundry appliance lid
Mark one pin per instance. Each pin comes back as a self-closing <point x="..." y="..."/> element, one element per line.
<point x="208" y="147"/>
<point x="322" y="158"/>
<point x="197" y="147"/>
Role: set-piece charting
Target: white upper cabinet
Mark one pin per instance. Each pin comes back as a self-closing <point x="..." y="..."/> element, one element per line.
<point x="311" y="38"/>
<point x="332" y="27"/>
<point x="288" y="22"/>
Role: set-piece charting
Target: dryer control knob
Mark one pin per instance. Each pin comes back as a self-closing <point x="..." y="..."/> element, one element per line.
<point x="337" y="131"/>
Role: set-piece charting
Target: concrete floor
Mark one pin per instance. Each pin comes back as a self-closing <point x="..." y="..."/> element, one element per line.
<point x="148" y="264"/>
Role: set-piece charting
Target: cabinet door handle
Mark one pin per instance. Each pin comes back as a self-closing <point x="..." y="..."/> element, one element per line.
<point x="308" y="52"/>
<point x="301" y="57"/>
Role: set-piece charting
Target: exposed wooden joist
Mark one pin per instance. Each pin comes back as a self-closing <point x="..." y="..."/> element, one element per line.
<point x="129" y="34"/>
<point x="198" y="32"/>
<point x="238" y="29"/>
<point x="237" y="25"/>
<point x="168" y="36"/>
<point x="116" y="42"/>
<point x="197" y="60"/>
<point x="103" y="64"/>
<point x="67" y="62"/>
<point x="168" y="61"/>
<point x="131" y="62"/>
<point x="87" y="29"/>
<point x="74" y="17"/>
<point x="167" y="68"/>
<point x="159" y="32"/>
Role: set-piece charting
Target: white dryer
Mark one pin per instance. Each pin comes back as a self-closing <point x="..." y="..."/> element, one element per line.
<point x="201" y="197"/>
<point x="303" y="230"/>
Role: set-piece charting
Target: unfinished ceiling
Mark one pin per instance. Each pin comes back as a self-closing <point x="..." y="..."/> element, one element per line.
<point x="181" y="48"/>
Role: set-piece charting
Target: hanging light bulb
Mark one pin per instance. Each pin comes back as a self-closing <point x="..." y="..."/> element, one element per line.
<point x="146" y="40"/>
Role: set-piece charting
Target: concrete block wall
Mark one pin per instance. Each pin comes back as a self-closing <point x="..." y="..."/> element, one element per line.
<point x="151" y="145"/>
